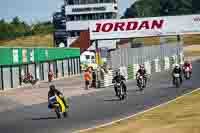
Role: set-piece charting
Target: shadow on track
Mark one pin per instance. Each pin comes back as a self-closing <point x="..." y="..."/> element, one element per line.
<point x="111" y="100"/>
<point x="43" y="118"/>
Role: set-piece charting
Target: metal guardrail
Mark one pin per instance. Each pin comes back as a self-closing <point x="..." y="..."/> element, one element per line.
<point x="127" y="56"/>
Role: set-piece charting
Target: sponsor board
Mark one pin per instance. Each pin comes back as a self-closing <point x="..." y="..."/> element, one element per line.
<point x="144" y="27"/>
<point x="24" y="55"/>
<point x="15" y="56"/>
<point x="32" y="55"/>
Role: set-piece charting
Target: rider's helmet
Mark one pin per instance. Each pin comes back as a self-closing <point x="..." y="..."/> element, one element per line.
<point x="187" y="62"/>
<point x="142" y="66"/>
<point x="52" y="87"/>
<point x="117" y="73"/>
<point x="177" y="66"/>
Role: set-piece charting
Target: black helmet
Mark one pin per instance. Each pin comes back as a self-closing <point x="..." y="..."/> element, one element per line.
<point x="117" y="72"/>
<point x="52" y="87"/>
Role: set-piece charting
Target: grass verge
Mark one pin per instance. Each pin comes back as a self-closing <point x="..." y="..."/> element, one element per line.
<point x="32" y="41"/>
<point x="47" y="41"/>
<point x="180" y="116"/>
<point x="192" y="50"/>
<point x="191" y="39"/>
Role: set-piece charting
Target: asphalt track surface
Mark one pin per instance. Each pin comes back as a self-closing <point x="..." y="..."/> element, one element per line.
<point x="95" y="108"/>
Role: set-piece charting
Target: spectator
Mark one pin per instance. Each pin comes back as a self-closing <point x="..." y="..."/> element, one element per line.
<point x="50" y="76"/>
<point x="29" y="76"/>
<point x="93" y="84"/>
<point x="87" y="78"/>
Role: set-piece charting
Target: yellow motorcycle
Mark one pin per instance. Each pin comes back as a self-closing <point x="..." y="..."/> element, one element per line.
<point x="58" y="106"/>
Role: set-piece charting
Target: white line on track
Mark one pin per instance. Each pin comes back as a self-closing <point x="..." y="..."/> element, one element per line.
<point x="142" y="112"/>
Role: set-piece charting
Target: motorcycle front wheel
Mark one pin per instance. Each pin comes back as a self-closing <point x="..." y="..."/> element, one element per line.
<point x="58" y="114"/>
<point x="65" y="114"/>
<point x="177" y="81"/>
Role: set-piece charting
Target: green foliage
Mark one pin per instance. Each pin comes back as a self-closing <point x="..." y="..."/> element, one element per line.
<point x="17" y="28"/>
<point x="151" y="8"/>
<point x="42" y="28"/>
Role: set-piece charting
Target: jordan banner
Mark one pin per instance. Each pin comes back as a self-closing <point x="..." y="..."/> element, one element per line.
<point x="144" y="27"/>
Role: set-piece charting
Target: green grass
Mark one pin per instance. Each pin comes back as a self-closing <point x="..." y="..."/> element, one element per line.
<point x="180" y="116"/>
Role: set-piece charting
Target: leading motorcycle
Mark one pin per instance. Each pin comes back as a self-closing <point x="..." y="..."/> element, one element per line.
<point x="58" y="106"/>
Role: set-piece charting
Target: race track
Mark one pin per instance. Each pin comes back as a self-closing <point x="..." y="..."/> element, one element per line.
<point x="95" y="108"/>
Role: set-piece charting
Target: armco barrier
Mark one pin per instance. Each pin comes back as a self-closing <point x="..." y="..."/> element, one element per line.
<point x="166" y="63"/>
<point x="123" y="71"/>
<point x="148" y="67"/>
<point x="157" y="65"/>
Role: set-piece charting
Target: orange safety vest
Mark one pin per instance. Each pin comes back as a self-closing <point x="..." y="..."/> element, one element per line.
<point x="87" y="76"/>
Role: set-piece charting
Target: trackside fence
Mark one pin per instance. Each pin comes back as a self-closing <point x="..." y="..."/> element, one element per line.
<point x="155" y="58"/>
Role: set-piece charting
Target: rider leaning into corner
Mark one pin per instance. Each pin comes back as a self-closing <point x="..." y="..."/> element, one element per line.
<point x="177" y="70"/>
<point x="119" y="78"/>
<point x="141" y="72"/>
<point x="187" y="64"/>
<point x="52" y="92"/>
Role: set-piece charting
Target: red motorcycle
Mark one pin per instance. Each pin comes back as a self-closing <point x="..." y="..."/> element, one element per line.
<point x="187" y="72"/>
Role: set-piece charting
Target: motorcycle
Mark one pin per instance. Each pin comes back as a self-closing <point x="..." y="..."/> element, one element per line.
<point x="187" y="74"/>
<point x="121" y="91"/>
<point x="141" y="84"/>
<point x="58" y="106"/>
<point x="177" y="81"/>
<point x="27" y="80"/>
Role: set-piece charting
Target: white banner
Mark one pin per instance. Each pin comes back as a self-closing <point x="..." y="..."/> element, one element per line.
<point x="32" y="55"/>
<point x="15" y="56"/>
<point x="144" y="27"/>
<point x="24" y="55"/>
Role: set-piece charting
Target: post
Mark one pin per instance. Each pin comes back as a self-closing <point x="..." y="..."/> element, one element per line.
<point x="97" y="52"/>
<point x="97" y="61"/>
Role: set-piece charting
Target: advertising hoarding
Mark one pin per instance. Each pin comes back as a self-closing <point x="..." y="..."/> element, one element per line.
<point x="144" y="27"/>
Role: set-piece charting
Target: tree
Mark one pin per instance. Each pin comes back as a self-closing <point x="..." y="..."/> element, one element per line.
<point x="16" y="21"/>
<point x="195" y="6"/>
<point x="131" y="12"/>
<point x="150" y="8"/>
<point x="18" y="28"/>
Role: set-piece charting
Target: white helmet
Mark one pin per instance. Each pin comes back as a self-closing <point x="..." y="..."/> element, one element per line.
<point x="177" y="65"/>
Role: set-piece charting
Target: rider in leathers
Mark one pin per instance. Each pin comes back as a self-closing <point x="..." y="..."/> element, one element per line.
<point x="141" y="72"/>
<point x="187" y="64"/>
<point x="117" y="79"/>
<point x="52" y="92"/>
<point x="177" y="70"/>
